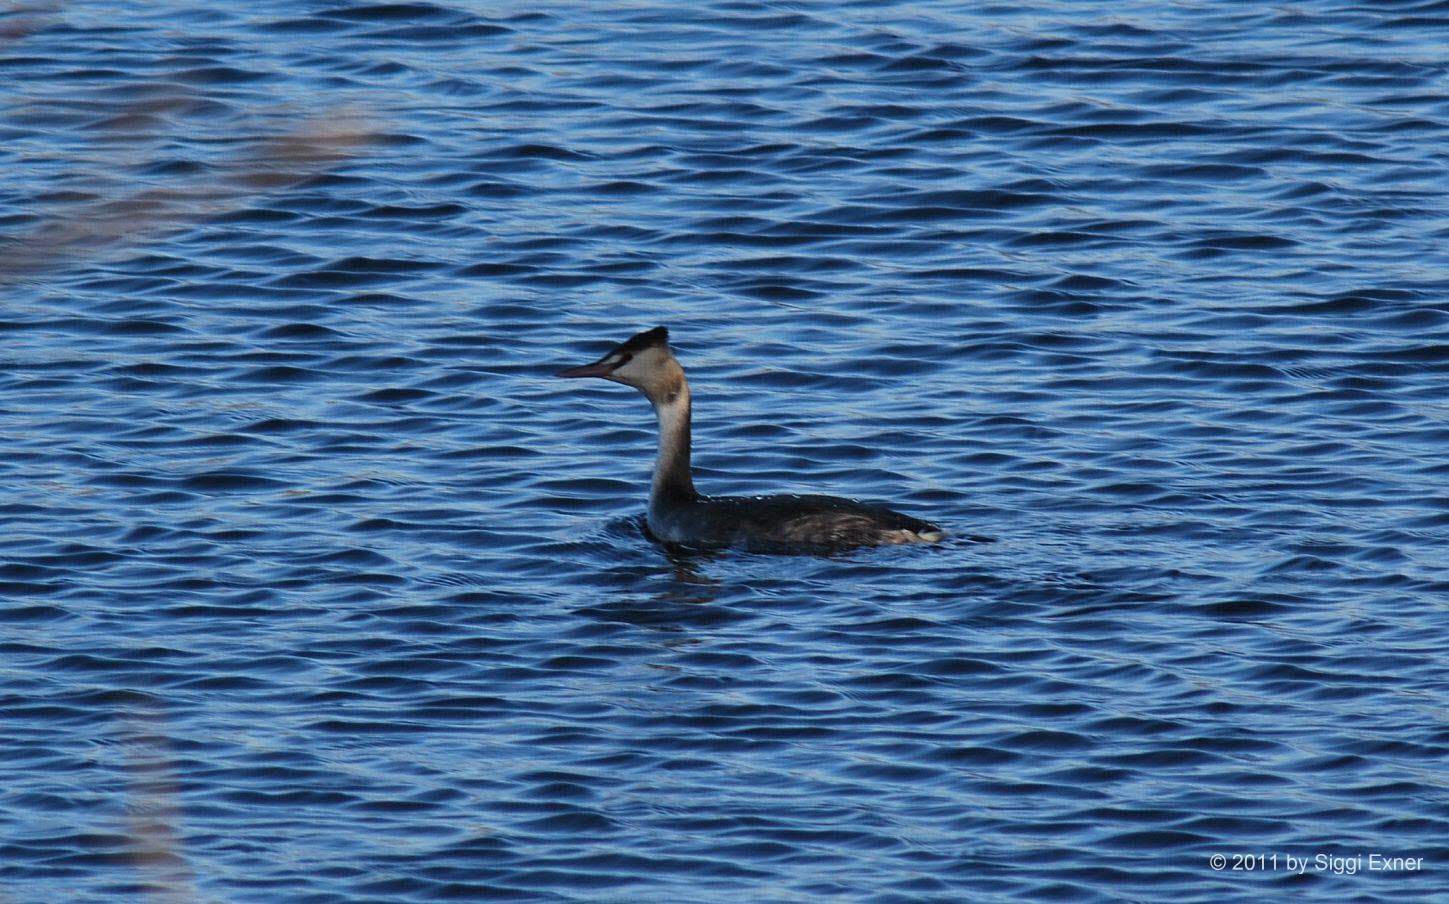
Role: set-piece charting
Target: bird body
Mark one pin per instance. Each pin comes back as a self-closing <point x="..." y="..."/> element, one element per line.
<point x="679" y="514"/>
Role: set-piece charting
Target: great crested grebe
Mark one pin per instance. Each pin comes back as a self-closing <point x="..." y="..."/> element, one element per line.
<point x="678" y="514"/>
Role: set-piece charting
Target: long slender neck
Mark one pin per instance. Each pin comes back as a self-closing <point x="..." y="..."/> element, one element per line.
<point x="673" y="481"/>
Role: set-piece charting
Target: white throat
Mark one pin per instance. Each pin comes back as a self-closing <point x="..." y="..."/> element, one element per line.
<point x="671" y="467"/>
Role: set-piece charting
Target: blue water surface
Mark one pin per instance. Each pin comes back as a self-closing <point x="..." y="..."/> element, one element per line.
<point x="318" y="588"/>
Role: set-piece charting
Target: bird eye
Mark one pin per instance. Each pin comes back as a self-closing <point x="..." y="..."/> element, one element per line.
<point x="625" y="359"/>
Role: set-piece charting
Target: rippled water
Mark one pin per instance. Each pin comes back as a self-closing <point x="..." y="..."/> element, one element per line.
<point x="318" y="588"/>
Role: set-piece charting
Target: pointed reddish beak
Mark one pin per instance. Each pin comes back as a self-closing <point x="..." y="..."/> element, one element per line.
<point x="588" y="370"/>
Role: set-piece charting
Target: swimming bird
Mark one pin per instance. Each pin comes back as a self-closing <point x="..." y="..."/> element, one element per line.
<point x="679" y="514"/>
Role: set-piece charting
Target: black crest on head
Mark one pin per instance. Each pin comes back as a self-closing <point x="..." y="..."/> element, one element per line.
<point x="648" y="339"/>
